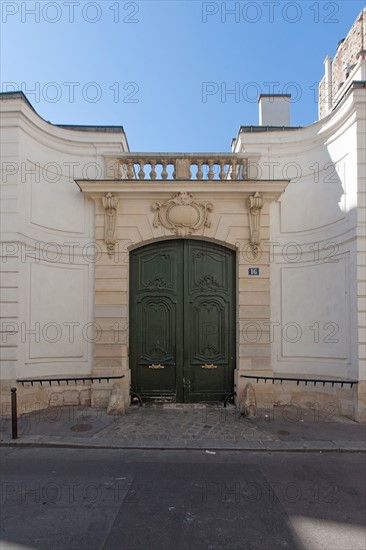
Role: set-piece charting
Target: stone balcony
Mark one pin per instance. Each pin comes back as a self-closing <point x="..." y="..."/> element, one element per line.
<point x="179" y="191"/>
<point x="178" y="166"/>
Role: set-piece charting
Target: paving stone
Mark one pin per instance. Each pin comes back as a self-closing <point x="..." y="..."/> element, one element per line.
<point x="189" y="426"/>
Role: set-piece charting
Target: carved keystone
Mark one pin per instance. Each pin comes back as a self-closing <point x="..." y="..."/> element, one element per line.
<point x="182" y="215"/>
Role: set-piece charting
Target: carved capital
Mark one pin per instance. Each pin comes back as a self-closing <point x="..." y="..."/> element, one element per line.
<point x="255" y="205"/>
<point x="110" y="205"/>
<point x="182" y="215"/>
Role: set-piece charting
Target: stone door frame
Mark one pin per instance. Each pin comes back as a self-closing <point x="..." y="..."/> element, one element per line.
<point x="130" y="214"/>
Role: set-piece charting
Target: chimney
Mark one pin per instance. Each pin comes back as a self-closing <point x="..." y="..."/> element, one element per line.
<point x="274" y="109"/>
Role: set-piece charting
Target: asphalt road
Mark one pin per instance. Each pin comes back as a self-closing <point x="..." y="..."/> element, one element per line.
<point x="84" y="499"/>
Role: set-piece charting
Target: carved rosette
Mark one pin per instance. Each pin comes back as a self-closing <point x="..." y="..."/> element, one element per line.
<point x="182" y="215"/>
<point x="255" y="205"/>
<point x="110" y="205"/>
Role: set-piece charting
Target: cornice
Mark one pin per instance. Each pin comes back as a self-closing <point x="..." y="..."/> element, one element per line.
<point x="271" y="190"/>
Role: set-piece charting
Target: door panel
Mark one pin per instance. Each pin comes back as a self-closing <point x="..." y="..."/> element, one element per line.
<point x="157" y="324"/>
<point x="209" y="315"/>
<point x="156" y="300"/>
<point x="182" y="321"/>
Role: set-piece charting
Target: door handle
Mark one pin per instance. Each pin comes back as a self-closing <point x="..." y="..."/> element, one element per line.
<point x="211" y="366"/>
<point x="156" y="367"/>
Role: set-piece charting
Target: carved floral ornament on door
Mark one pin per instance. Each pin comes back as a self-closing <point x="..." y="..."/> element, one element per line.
<point x="182" y="215"/>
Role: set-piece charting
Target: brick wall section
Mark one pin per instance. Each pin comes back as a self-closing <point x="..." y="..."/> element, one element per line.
<point x="347" y="51"/>
<point x="322" y="98"/>
<point x="346" y="54"/>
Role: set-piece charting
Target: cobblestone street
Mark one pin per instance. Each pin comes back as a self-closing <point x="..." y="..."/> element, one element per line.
<point x="209" y="426"/>
<point x="186" y="423"/>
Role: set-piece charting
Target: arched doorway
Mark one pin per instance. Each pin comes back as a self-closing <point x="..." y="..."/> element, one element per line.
<point x="182" y="321"/>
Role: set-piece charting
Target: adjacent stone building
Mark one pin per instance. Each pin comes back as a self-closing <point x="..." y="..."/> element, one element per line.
<point x="189" y="275"/>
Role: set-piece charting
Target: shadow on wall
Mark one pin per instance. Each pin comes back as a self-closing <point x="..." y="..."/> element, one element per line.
<point x="318" y="195"/>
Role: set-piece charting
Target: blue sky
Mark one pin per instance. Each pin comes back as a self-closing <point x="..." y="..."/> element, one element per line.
<point x="164" y="70"/>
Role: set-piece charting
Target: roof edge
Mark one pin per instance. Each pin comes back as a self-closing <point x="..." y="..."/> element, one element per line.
<point x="253" y="129"/>
<point x="5" y="96"/>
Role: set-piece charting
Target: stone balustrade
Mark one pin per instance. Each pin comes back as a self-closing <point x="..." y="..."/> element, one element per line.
<point x="178" y="166"/>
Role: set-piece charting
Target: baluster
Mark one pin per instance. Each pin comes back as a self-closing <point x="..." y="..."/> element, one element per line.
<point x="238" y="170"/>
<point x="174" y="173"/>
<point x="199" y="170"/>
<point x="164" y="172"/>
<point x="141" y="173"/>
<point x="190" y="171"/>
<point x="245" y="169"/>
<point x="233" y="170"/>
<point x="210" y="174"/>
<point x="222" y="170"/>
<point x="130" y="171"/>
<point x="153" y="171"/>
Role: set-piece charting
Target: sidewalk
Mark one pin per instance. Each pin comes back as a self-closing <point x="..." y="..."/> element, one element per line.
<point x="204" y="427"/>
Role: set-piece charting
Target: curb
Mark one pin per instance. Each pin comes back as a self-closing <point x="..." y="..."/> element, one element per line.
<point x="265" y="446"/>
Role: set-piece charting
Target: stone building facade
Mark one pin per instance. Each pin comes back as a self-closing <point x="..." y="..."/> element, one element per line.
<point x="189" y="275"/>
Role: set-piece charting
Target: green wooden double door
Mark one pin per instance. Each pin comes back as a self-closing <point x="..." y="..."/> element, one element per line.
<point x="182" y="321"/>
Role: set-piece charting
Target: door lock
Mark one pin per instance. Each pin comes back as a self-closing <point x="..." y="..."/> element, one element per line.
<point x="211" y="366"/>
<point x="155" y="367"/>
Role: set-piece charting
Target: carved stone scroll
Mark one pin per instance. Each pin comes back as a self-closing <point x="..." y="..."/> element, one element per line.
<point x="182" y="215"/>
<point x="255" y="205"/>
<point x="110" y="205"/>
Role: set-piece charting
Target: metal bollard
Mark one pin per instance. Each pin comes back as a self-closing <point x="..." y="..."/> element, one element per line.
<point x="14" y="414"/>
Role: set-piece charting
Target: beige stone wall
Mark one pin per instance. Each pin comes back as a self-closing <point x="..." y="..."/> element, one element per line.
<point x="316" y="211"/>
<point x="361" y="402"/>
<point x="361" y="261"/>
<point x="329" y="401"/>
<point x="43" y="211"/>
<point x="230" y="227"/>
<point x="34" y="397"/>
